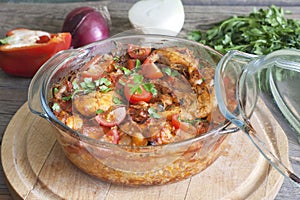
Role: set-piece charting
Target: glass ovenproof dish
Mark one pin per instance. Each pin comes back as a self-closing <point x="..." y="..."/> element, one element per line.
<point x="233" y="94"/>
<point x="130" y="162"/>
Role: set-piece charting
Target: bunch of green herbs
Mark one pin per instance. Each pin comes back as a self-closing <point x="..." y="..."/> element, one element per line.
<point x="261" y="32"/>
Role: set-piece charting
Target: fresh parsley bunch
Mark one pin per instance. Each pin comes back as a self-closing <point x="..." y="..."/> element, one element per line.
<point x="261" y="32"/>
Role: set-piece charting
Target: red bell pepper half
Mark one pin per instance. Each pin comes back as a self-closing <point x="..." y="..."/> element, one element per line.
<point x="24" y="51"/>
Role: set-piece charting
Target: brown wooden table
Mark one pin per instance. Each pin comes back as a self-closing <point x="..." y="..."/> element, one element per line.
<point x="200" y="14"/>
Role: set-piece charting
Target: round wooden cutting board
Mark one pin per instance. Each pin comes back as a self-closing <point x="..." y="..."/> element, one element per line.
<point x="36" y="168"/>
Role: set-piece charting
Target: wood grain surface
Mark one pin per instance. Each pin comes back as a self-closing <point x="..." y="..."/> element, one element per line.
<point x="36" y="168"/>
<point x="200" y="14"/>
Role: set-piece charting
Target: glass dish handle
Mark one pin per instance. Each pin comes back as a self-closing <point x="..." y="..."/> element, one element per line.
<point x="272" y="159"/>
<point x="241" y="62"/>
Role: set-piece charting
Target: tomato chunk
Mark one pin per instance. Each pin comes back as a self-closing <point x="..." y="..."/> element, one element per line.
<point x="179" y="124"/>
<point x="138" y="52"/>
<point x="113" y="135"/>
<point x="136" y="96"/>
<point x="175" y="121"/>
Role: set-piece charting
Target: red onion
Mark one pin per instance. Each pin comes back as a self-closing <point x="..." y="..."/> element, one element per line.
<point x="86" y="25"/>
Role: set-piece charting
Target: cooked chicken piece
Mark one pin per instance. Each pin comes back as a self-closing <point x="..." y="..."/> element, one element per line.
<point x="88" y="104"/>
<point x="74" y="122"/>
<point x="182" y="60"/>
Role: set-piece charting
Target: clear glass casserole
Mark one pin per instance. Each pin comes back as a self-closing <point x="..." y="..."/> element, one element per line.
<point x="128" y="164"/>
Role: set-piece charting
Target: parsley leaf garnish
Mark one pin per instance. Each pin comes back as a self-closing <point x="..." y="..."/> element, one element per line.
<point x="170" y="72"/>
<point x="126" y="71"/>
<point x="153" y="113"/>
<point x="87" y="83"/>
<point x="116" y="58"/>
<point x="99" y="111"/>
<point x="55" y="90"/>
<point x="103" y="84"/>
<point x="117" y="101"/>
<point x="102" y="81"/>
<point x="135" y="87"/>
<point x="66" y="98"/>
<point x="56" y="107"/>
<point x="150" y="88"/>
<point x="138" y="64"/>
